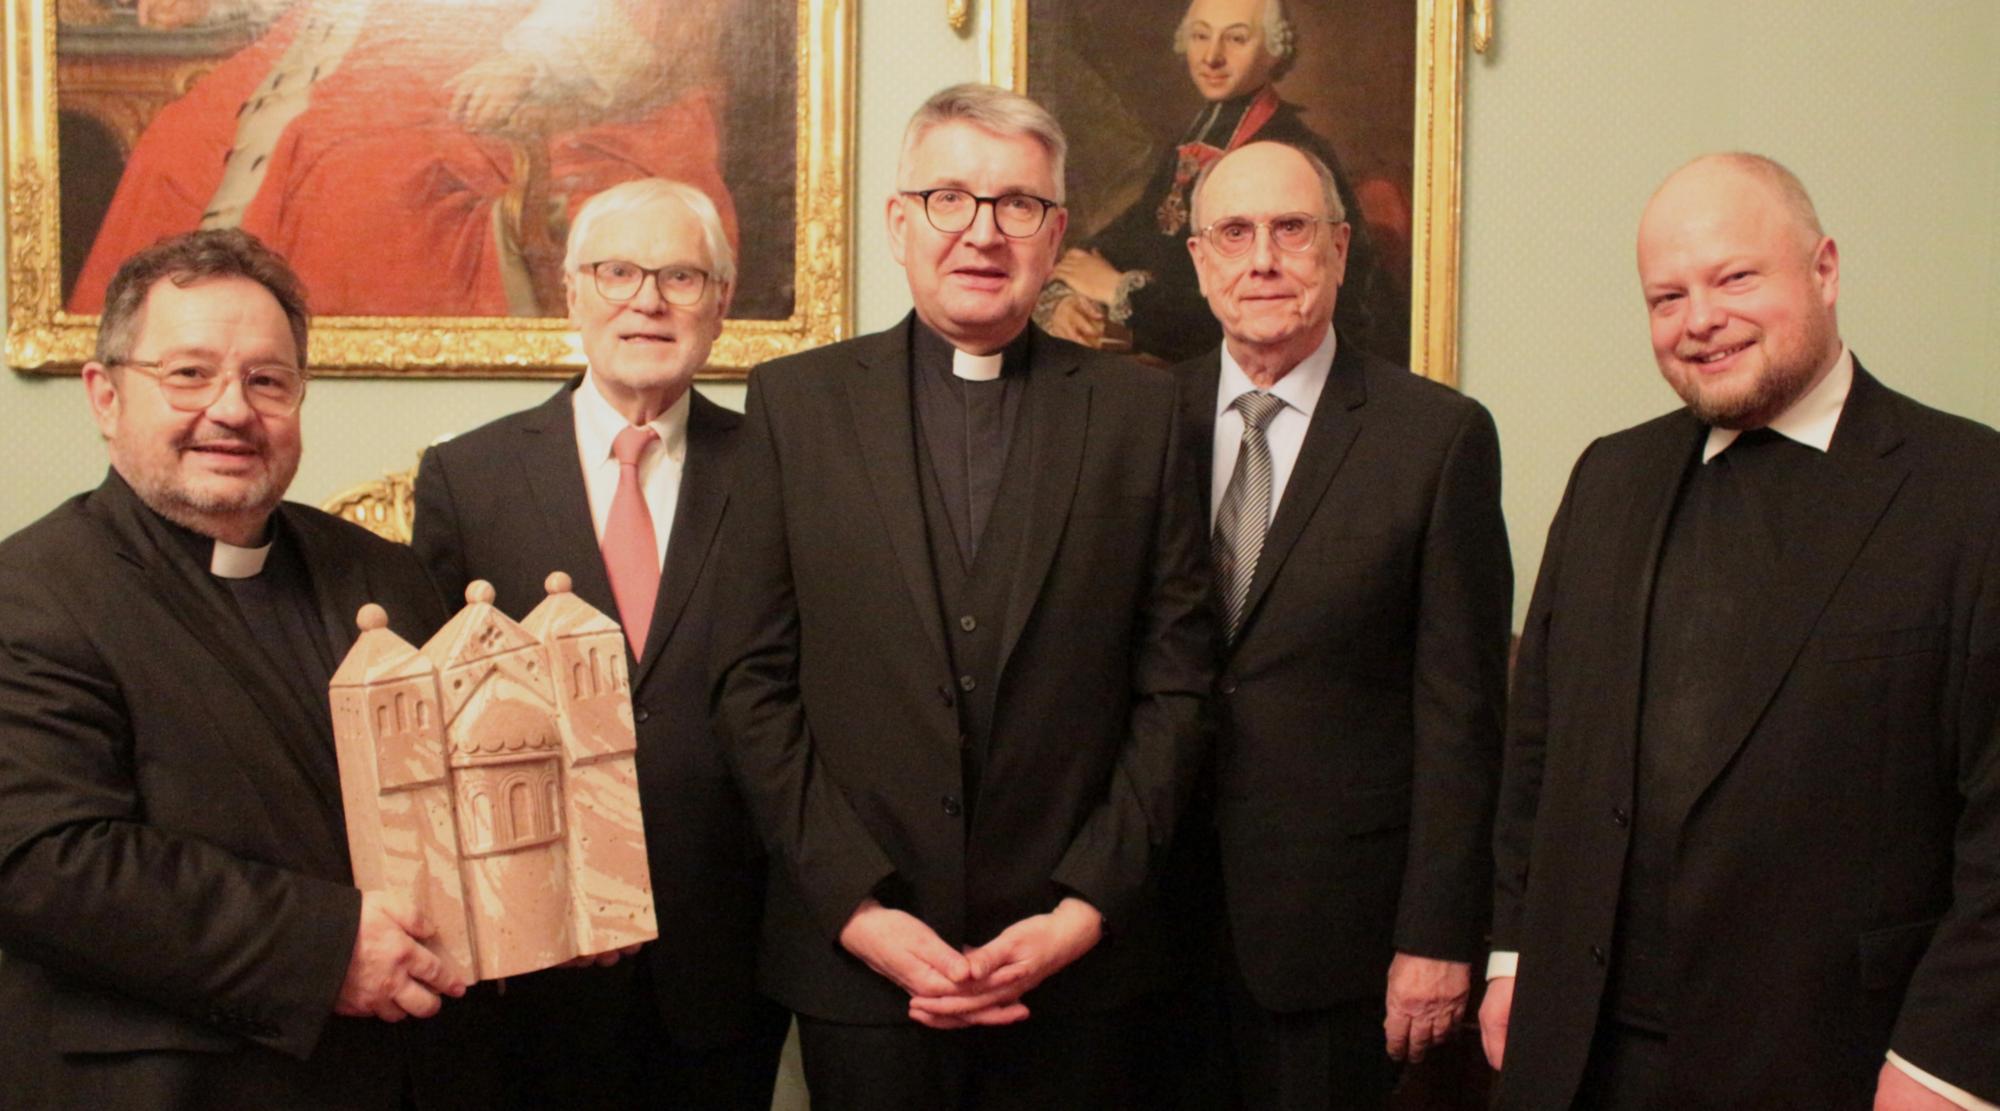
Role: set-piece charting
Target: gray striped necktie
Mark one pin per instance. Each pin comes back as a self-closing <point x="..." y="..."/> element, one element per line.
<point x="1246" y="507"/>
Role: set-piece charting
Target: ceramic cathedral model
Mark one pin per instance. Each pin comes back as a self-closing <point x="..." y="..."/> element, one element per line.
<point x="490" y="775"/>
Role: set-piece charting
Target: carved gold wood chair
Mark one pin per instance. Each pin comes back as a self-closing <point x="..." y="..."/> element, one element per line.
<point x="385" y="507"/>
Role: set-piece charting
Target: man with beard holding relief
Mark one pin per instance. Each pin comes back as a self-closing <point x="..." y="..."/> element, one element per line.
<point x="176" y="906"/>
<point x="1748" y="843"/>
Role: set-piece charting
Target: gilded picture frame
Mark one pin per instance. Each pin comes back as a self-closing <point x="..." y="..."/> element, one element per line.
<point x="1425" y="240"/>
<point x="813" y="306"/>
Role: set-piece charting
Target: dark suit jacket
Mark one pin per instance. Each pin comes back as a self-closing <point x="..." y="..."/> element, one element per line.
<point x="835" y="691"/>
<point x="506" y="503"/>
<point x="1837" y="888"/>
<point x="175" y="899"/>
<point x="1359" y="711"/>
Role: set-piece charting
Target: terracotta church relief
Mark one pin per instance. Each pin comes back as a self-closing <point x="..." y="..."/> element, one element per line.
<point x="491" y="774"/>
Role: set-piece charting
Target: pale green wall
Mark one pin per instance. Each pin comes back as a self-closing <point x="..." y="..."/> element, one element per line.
<point x="1889" y="109"/>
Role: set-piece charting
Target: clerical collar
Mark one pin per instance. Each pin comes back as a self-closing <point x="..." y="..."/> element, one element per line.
<point x="228" y="561"/>
<point x="1810" y="420"/>
<point x="930" y="350"/>
<point x="976" y="368"/>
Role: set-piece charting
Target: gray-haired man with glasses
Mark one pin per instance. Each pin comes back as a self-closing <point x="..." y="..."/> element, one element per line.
<point x="620" y="479"/>
<point x="963" y="647"/>
<point x="176" y="906"/>
<point x="1362" y="572"/>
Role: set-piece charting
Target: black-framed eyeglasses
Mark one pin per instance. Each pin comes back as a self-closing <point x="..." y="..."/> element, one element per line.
<point x="191" y="385"/>
<point x="1017" y="215"/>
<point x="1234" y="236"/>
<point x="619" y="280"/>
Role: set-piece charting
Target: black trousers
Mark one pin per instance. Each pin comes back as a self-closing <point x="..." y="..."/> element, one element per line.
<point x="1044" y="1063"/>
<point x="1334" y="1057"/>
<point x="590" y="1038"/>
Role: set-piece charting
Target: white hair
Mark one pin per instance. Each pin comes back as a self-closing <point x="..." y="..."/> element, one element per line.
<point x="628" y="198"/>
<point x="1280" y="41"/>
<point x="995" y="109"/>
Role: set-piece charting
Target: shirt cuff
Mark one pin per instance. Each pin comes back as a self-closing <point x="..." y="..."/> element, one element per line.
<point x="1502" y="963"/>
<point x="1959" y="1096"/>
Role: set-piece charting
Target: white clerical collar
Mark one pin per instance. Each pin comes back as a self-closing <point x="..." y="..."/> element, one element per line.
<point x="1810" y="420"/>
<point x="231" y="562"/>
<point x="598" y="423"/>
<point x="976" y="368"/>
<point x="1299" y="388"/>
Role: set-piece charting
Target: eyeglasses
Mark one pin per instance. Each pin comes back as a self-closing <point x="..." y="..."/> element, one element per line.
<point x="1017" y="215"/>
<point x="1235" y="236"/>
<point x="618" y="280"/>
<point x="190" y="385"/>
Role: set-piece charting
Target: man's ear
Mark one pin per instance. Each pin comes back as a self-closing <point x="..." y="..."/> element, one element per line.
<point x="102" y="392"/>
<point x="898" y="223"/>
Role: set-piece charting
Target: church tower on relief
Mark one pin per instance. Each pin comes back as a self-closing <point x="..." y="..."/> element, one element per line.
<point x="491" y="775"/>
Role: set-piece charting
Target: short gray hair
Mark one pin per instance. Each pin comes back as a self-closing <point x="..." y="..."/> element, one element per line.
<point x="1280" y="40"/>
<point x="1328" y="185"/>
<point x="629" y="197"/>
<point x="995" y="109"/>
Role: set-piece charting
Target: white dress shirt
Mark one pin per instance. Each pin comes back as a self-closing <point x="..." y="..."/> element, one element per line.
<point x="1299" y="389"/>
<point x="597" y="424"/>
<point x="1810" y="421"/>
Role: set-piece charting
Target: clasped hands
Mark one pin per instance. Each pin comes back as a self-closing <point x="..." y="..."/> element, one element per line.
<point x="983" y="986"/>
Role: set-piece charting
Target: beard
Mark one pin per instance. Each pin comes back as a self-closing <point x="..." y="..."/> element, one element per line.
<point x="205" y="503"/>
<point x="1788" y="372"/>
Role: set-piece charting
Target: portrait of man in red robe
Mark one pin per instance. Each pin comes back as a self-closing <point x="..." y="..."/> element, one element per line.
<point x="421" y="157"/>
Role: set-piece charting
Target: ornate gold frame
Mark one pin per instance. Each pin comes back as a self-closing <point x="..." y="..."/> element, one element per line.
<point x="1441" y="36"/>
<point x="42" y="337"/>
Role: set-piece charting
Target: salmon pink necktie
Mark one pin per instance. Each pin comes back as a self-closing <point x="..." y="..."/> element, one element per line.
<point x="631" y="554"/>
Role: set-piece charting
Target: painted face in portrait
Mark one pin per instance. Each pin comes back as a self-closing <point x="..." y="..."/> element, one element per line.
<point x="1226" y="52"/>
<point x="646" y="345"/>
<point x="1268" y="297"/>
<point x="975" y="287"/>
<point x="222" y="468"/>
<point x="1740" y="293"/>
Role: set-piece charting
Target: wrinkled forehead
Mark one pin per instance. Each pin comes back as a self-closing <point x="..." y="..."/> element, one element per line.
<point x="1261" y="182"/>
<point x="660" y="232"/>
<point x="211" y="317"/>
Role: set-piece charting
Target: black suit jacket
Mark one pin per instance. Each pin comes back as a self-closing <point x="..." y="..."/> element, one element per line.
<point x="1359" y="711"/>
<point x="506" y="503"/>
<point x="176" y="904"/>
<point x="835" y="692"/>
<point x="1837" y="887"/>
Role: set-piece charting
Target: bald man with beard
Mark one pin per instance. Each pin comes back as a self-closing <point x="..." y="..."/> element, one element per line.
<point x="1748" y="843"/>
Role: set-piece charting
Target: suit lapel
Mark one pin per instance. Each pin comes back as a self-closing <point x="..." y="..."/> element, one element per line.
<point x="554" y="477"/>
<point x="204" y="609"/>
<point x="1197" y="390"/>
<point x="1059" y="401"/>
<point x="697" y="514"/>
<point x="1336" y="420"/>
<point x="878" y="402"/>
<point x="1864" y="478"/>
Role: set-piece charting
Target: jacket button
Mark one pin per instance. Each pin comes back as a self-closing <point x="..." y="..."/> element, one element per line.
<point x="1227" y="685"/>
<point x="641" y="714"/>
<point x="967" y="682"/>
<point x="1597" y="954"/>
<point x="968" y="623"/>
<point x="951" y="806"/>
<point x="1619" y="815"/>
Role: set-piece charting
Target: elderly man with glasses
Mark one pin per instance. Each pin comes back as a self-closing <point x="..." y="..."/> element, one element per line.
<point x="176" y="906"/>
<point x="963" y="647"/>
<point x="620" y="479"/>
<point x="1363" y="577"/>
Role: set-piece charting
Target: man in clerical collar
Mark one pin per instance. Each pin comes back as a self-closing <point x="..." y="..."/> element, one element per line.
<point x="963" y="644"/>
<point x="620" y="479"/>
<point x="179" y="918"/>
<point x="1748" y="838"/>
